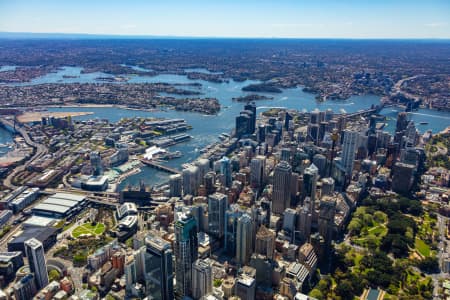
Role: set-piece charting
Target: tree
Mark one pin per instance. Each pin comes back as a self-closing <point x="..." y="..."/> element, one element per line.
<point x="345" y="290"/>
<point x="429" y="265"/>
<point x="53" y="275"/>
<point x="315" y="293"/>
<point x="380" y="216"/>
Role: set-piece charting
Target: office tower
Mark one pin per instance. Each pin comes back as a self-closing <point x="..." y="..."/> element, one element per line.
<point x="402" y="122"/>
<point x="217" y="205"/>
<point x="304" y="221"/>
<point x="186" y="252"/>
<point x="34" y="251"/>
<point x="201" y="278"/>
<point x="411" y="133"/>
<point x="203" y="165"/>
<point x="231" y="217"/>
<point x="257" y="169"/>
<point x="246" y="287"/>
<point x="289" y="220"/>
<point x="25" y="288"/>
<point x="176" y="185"/>
<point x="371" y="144"/>
<point x="244" y="239"/>
<point x="327" y="186"/>
<point x="158" y="270"/>
<point x="225" y="170"/>
<point x="403" y="177"/>
<point x="265" y="242"/>
<point x="287" y="120"/>
<point x="286" y="155"/>
<point x="281" y="198"/>
<point x="310" y="177"/>
<point x="209" y="180"/>
<point x="252" y="108"/>
<point x="383" y="139"/>
<point x="320" y="161"/>
<point x="243" y="124"/>
<point x="96" y="163"/>
<point x="190" y="180"/>
<point x="261" y="134"/>
<point x="326" y="219"/>
<point x="349" y="147"/>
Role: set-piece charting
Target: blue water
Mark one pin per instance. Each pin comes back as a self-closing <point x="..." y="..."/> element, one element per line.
<point x="206" y="129"/>
<point x="7" y="68"/>
<point x="5" y="137"/>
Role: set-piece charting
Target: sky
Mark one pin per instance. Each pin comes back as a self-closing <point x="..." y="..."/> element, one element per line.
<point x="232" y="18"/>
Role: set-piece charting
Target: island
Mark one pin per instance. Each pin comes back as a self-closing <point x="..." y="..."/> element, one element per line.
<point x="251" y="97"/>
<point x="262" y="87"/>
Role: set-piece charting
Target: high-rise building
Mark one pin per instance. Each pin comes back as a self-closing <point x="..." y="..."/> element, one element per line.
<point x="176" y="185"/>
<point x="209" y="179"/>
<point x="320" y="161"/>
<point x="252" y="108"/>
<point x="286" y="154"/>
<point x="186" y="252"/>
<point x="201" y="278"/>
<point x="231" y="217"/>
<point x="35" y="253"/>
<point x="217" y="206"/>
<point x="403" y="177"/>
<point x="281" y="197"/>
<point x="265" y="242"/>
<point x="204" y="167"/>
<point x="96" y="163"/>
<point x="225" y="170"/>
<point x="257" y="166"/>
<point x="326" y="218"/>
<point x="190" y="180"/>
<point x="246" y="287"/>
<point x="243" y="124"/>
<point x="25" y="288"/>
<point x="402" y="122"/>
<point x="349" y="147"/>
<point x="310" y="177"/>
<point x="158" y="270"/>
<point x="244" y="239"/>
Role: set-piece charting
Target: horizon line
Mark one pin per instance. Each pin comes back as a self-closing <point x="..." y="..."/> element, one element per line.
<point x="47" y="35"/>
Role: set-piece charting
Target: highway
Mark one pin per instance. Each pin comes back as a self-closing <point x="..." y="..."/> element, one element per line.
<point x="40" y="150"/>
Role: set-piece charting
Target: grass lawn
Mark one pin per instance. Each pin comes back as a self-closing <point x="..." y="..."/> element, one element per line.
<point x="88" y="229"/>
<point x="422" y="247"/>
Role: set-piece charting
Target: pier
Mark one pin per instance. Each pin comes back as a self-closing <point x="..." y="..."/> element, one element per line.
<point x="160" y="167"/>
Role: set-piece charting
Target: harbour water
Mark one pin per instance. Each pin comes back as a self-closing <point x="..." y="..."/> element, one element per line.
<point x="206" y="129"/>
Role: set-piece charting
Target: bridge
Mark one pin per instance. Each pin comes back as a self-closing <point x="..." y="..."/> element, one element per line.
<point x="160" y="167"/>
<point x="372" y="110"/>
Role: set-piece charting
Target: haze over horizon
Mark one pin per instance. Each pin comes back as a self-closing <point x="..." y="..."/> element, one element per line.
<point x="240" y="19"/>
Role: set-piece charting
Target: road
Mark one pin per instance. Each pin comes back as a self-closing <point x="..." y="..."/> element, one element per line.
<point x="444" y="247"/>
<point x="41" y="150"/>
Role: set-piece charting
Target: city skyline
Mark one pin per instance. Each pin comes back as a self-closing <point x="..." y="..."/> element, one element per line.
<point x="248" y="19"/>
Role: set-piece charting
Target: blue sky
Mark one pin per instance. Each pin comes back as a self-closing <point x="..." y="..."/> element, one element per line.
<point x="232" y="18"/>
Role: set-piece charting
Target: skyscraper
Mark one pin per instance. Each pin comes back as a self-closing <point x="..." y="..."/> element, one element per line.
<point x="217" y="205"/>
<point x="252" y="108"/>
<point x="265" y="242"/>
<point x="176" y="185"/>
<point x="25" y="288"/>
<point x="225" y="170"/>
<point x="201" y="278"/>
<point x="402" y="122"/>
<point x="34" y="251"/>
<point x="310" y="184"/>
<point x="96" y="163"/>
<point x="281" y="198"/>
<point x="158" y="270"/>
<point x="231" y="217"/>
<point x="186" y="252"/>
<point x="244" y="239"/>
<point x="326" y="219"/>
<point x="257" y="166"/>
<point x="349" y="147"/>
<point x="190" y="180"/>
